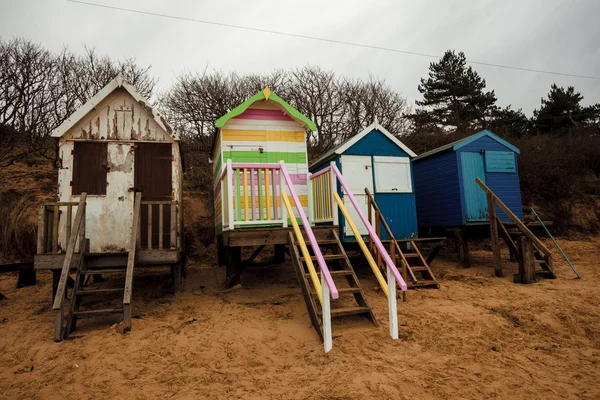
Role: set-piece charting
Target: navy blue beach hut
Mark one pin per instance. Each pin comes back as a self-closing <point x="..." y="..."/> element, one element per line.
<point x="377" y="160"/>
<point x="446" y="192"/>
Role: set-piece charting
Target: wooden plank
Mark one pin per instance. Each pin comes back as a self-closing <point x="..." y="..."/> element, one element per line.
<point x="245" y="182"/>
<point x="55" y="216"/>
<point x="494" y="235"/>
<point x="512" y="246"/>
<point x="132" y="250"/>
<point x="68" y="222"/>
<point x="515" y="219"/>
<point x="149" y="226"/>
<point x="41" y="233"/>
<point x="160" y="225"/>
<point x="173" y="229"/>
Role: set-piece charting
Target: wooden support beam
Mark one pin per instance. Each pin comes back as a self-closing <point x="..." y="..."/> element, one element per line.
<point x="527" y="262"/>
<point x="494" y="235"/>
<point x="462" y="247"/>
<point x="42" y="231"/>
<point x="55" y="229"/>
<point x="515" y="219"/>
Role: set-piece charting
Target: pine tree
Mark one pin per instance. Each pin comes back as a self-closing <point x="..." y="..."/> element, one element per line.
<point x="562" y="110"/>
<point x="453" y="95"/>
<point x="506" y="121"/>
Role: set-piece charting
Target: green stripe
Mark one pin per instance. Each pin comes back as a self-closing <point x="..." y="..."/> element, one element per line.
<point x="260" y="197"/>
<point x="219" y="228"/>
<point x="266" y="157"/>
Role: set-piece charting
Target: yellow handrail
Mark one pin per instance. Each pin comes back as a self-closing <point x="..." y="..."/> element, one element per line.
<point x="382" y="283"/>
<point x="311" y="267"/>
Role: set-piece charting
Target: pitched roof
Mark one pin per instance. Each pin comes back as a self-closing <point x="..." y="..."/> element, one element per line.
<point x="118" y="82"/>
<point x="469" y="139"/>
<point x="266" y="94"/>
<point x="342" y="147"/>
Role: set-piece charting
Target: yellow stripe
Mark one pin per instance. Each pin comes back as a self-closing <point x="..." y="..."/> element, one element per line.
<point x="362" y="244"/>
<point x="262" y="135"/>
<point x="218" y="207"/>
<point x="302" y="197"/>
<point x="268" y="194"/>
<point x="309" y="264"/>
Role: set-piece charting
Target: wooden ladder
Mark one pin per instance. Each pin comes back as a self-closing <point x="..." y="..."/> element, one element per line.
<point x="413" y="266"/>
<point x="418" y="267"/>
<point x="344" y="277"/>
<point x="80" y="291"/>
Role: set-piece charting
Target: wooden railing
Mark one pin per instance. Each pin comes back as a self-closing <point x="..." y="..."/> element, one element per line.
<point x="133" y="240"/>
<point x="49" y="226"/>
<point x="493" y="200"/>
<point x="251" y="195"/>
<point x="155" y="233"/>
<point x="76" y="235"/>
<point x="323" y="186"/>
<point x="377" y="220"/>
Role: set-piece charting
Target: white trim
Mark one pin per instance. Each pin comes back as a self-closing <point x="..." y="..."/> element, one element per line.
<point x="374" y="126"/>
<point x="326" y="315"/>
<point x="392" y="305"/>
<point x="117" y="82"/>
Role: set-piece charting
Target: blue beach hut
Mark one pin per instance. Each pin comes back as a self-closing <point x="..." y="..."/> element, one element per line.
<point x="445" y="188"/>
<point x="377" y="160"/>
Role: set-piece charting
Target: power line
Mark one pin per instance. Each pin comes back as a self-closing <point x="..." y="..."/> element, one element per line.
<point x="296" y="35"/>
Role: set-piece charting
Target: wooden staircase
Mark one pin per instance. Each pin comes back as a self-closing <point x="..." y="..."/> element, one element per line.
<point x="352" y="300"/>
<point x="413" y="266"/>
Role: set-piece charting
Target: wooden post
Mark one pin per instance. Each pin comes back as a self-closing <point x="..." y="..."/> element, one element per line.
<point x="494" y="234"/>
<point x="55" y="230"/>
<point x="150" y="227"/>
<point x="462" y="247"/>
<point x="334" y="207"/>
<point x="527" y="263"/>
<point x="42" y="231"/>
<point x="68" y="222"/>
<point x="392" y="305"/>
<point x="229" y="205"/>
<point x="160" y="225"/>
<point x="284" y="215"/>
<point x="326" y="313"/>
<point x="173" y="235"/>
<point x="370" y="216"/>
<point x="378" y="233"/>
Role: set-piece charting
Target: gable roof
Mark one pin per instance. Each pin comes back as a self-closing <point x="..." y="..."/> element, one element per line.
<point x="266" y="94"/>
<point x="118" y="82"/>
<point x="342" y="147"/>
<point x="469" y="139"/>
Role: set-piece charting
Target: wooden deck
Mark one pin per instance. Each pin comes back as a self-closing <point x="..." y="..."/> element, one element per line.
<point x="267" y="236"/>
<point x="102" y="260"/>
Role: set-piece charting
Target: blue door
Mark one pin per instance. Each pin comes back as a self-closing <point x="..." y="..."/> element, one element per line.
<point x="475" y="198"/>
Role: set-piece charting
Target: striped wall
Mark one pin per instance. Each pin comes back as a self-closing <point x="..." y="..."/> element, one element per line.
<point x="262" y="134"/>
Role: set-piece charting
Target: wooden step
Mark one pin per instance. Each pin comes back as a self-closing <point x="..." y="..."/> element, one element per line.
<point x="86" y="292"/>
<point x="96" y="313"/>
<point x="344" y="311"/>
<point x="418" y="269"/>
<point x="411" y="255"/>
<point x="320" y="242"/>
<point x="326" y="257"/>
<point x="344" y="290"/>
<point x="104" y="271"/>
<point x="107" y="254"/>
<point x="334" y="273"/>
<point x="422" y="283"/>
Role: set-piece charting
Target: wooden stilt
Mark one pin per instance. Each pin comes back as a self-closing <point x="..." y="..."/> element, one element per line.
<point x="234" y="266"/>
<point x="462" y="247"/>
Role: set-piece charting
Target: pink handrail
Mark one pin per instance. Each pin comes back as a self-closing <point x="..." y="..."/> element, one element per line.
<point x="311" y="236"/>
<point x="324" y="170"/>
<point x="371" y="231"/>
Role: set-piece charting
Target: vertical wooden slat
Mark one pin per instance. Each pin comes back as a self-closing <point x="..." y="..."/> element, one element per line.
<point x="229" y="184"/>
<point x="261" y="211"/>
<point x="41" y="234"/>
<point x="160" y="225"/>
<point x="68" y="221"/>
<point x="275" y="196"/>
<point x="174" y="212"/>
<point x="138" y="238"/>
<point x="245" y="182"/>
<point x="149" y="226"/>
<point x="55" y="230"/>
<point x="253" y="196"/>
<point x="48" y="233"/>
<point x="238" y="194"/>
<point x="267" y="194"/>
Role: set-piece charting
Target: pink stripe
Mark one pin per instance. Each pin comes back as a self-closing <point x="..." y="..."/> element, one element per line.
<point x="272" y="115"/>
<point x="275" y="185"/>
<point x="253" y="195"/>
<point x="217" y="190"/>
<point x="372" y="233"/>
<point x="254" y="165"/>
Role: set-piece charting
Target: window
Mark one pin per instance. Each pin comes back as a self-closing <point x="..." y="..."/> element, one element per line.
<point x="500" y="161"/>
<point x="392" y="175"/>
<point x="89" y="168"/>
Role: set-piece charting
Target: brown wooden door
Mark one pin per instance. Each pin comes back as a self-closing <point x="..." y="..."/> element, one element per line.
<point x="154" y="178"/>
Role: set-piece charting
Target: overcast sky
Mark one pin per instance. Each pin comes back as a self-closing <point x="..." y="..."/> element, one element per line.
<point x="553" y="35"/>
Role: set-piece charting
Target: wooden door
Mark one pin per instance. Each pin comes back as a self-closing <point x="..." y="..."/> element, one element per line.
<point x="358" y="174"/>
<point x="154" y="178"/>
<point x="475" y="198"/>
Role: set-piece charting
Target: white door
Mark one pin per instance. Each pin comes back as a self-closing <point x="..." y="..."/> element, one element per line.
<point x="358" y="174"/>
